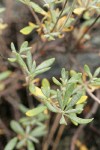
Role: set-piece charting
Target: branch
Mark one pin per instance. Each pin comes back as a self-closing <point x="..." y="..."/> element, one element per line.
<point x="92" y="95"/>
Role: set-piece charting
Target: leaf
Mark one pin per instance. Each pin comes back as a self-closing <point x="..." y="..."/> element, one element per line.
<point x="41" y="71"/>
<point x="74" y="99"/>
<point x="97" y="72"/>
<point x="4" y="75"/>
<point x="56" y="81"/>
<point x="87" y="70"/>
<point x="64" y="74"/>
<point x="16" y="127"/>
<point x="37" y="8"/>
<point x="12" y="59"/>
<point x="26" y="30"/>
<point x="68" y="93"/>
<point x="24" y="47"/>
<point x="45" y="83"/>
<point x="33" y="139"/>
<point x="11" y="144"/>
<point x="22" y="108"/>
<point x="63" y="121"/>
<point x="82" y="99"/>
<point x="77" y="78"/>
<point x="50" y="107"/>
<point x="39" y="131"/>
<point x="13" y="47"/>
<point x="45" y="64"/>
<point x="79" y="11"/>
<point x="72" y="72"/>
<point x="33" y="66"/>
<point x="36" y="92"/>
<point x="21" y="143"/>
<point x="96" y="82"/>
<point x="79" y="107"/>
<point x="36" y="111"/>
<point x="45" y="87"/>
<point x="30" y="145"/>
<point x="73" y="117"/>
<point x="76" y="110"/>
<point x="59" y="98"/>
<point x="21" y="62"/>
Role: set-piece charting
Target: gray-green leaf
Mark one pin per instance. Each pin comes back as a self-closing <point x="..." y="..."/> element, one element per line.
<point x="73" y="117"/>
<point x="16" y="127"/>
<point x="87" y="70"/>
<point x="11" y="144"/>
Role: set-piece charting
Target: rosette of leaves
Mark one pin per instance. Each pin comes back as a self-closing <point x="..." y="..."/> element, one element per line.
<point x="68" y="100"/>
<point x="24" y="59"/>
<point x="28" y="131"/>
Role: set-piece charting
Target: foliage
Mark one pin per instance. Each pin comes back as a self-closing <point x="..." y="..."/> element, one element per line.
<point x="55" y="22"/>
<point x="69" y="98"/>
<point x="28" y="131"/>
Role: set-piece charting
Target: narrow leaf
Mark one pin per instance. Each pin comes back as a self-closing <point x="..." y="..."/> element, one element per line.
<point x="45" y="64"/>
<point x="21" y="143"/>
<point x="56" y="81"/>
<point x="79" y="120"/>
<point x="97" y="72"/>
<point x="30" y="145"/>
<point x="36" y="111"/>
<point x="59" y="98"/>
<point x="39" y="131"/>
<point x="74" y="99"/>
<point x="16" y="127"/>
<point x="11" y="144"/>
<point x="41" y="71"/>
<point x="13" y="47"/>
<point x="26" y="30"/>
<point x="68" y="93"/>
<point x="36" y="92"/>
<point x="87" y="70"/>
<point x="82" y="99"/>
<point x="37" y="8"/>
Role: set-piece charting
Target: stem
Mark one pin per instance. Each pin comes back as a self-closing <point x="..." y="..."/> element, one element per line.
<point x="92" y="95"/>
<point x="52" y="132"/>
<point x="60" y="15"/>
<point x="58" y="137"/>
<point x="86" y="31"/>
<point x="69" y="15"/>
<point x="35" y="16"/>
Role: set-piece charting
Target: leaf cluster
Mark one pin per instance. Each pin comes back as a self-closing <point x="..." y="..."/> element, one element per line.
<point x="56" y="20"/>
<point x="29" y="67"/>
<point x="28" y="131"/>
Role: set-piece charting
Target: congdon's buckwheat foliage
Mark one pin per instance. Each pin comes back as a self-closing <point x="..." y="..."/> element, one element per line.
<point x="69" y="98"/>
